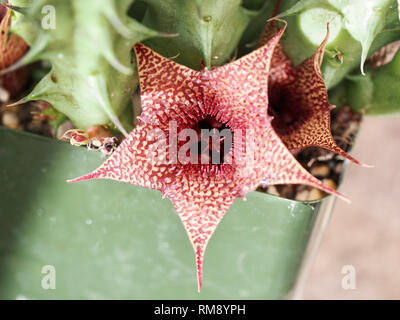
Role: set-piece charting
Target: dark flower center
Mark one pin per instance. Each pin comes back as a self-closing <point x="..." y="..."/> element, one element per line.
<point x="215" y="141"/>
<point x="288" y="112"/>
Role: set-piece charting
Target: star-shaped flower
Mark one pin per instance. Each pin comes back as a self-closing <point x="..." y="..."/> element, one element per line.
<point x="12" y="48"/>
<point x="299" y="99"/>
<point x="179" y="103"/>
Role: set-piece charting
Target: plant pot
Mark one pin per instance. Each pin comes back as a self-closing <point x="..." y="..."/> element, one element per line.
<point x="110" y="240"/>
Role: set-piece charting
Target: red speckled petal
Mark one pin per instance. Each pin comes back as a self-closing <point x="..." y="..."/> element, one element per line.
<point x="168" y="90"/>
<point x="201" y="204"/>
<point x="308" y="94"/>
<point x="282" y="70"/>
<point x="12" y="48"/>
<point x="280" y="167"/>
<point x="132" y="161"/>
<point x="299" y="100"/>
<point x="235" y="95"/>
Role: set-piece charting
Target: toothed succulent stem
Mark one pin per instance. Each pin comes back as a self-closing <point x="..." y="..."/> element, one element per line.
<point x="89" y="45"/>
<point x="208" y="30"/>
<point x="358" y="29"/>
<point x="376" y="93"/>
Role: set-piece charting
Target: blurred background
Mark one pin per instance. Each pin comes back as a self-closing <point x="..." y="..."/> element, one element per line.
<point x="366" y="233"/>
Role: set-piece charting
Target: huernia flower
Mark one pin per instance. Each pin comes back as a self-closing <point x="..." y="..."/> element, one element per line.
<point x="180" y="104"/>
<point x="298" y="99"/>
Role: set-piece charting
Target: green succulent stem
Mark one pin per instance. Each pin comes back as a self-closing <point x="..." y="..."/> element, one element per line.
<point x="250" y="38"/>
<point x="209" y="30"/>
<point x="89" y="49"/>
<point x="357" y="29"/>
<point x="377" y="93"/>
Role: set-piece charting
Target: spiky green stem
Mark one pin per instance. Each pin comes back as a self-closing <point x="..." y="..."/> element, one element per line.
<point x="92" y="76"/>
<point x="376" y="93"/>
<point x="208" y="30"/>
<point x="358" y="29"/>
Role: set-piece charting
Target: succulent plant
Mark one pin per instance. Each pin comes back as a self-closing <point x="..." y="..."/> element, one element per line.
<point x="270" y="102"/>
<point x="299" y="99"/>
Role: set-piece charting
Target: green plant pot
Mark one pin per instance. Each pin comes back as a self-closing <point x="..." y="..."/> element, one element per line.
<point x="109" y="240"/>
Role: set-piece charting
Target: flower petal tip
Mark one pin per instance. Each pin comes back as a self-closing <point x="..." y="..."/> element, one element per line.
<point x="343" y="197"/>
<point x="275" y="19"/>
<point x="199" y="267"/>
<point x="89" y="176"/>
<point x="333" y="192"/>
<point x="359" y="163"/>
<point x="364" y="165"/>
<point x="18" y="103"/>
<point x="343" y="153"/>
<point x="199" y="280"/>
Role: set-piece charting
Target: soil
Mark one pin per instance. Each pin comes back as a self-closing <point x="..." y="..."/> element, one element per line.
<point x="323" y="164"/>
<point x="24" y="117"/>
